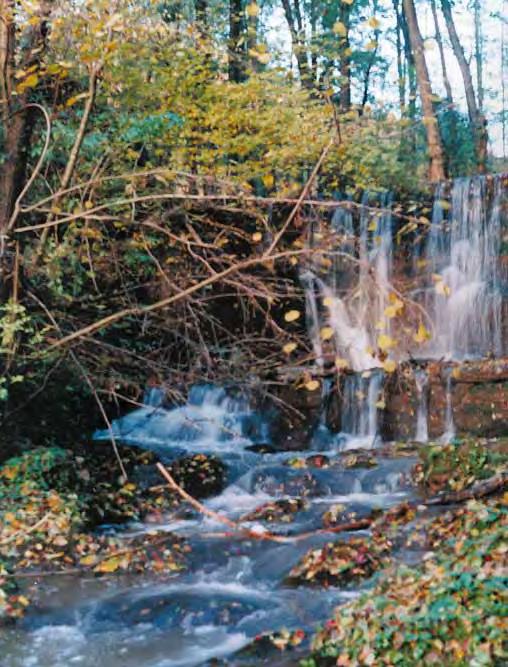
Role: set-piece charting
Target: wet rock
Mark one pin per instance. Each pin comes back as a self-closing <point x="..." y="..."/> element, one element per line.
<point x="283" y="510"/>
<point x="295" y="483"/>
<point x="297" y="420"/>
<point x="358" y="459"/>
<point x="479" y="399"/>
<point x="200" y="475"/>
<point x="341" y="563"/>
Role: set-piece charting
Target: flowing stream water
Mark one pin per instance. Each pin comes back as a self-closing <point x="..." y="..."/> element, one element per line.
<point x="233" y="589"/>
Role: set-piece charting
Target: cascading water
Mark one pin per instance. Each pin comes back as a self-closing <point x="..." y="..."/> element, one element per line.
<point x="422" y="383"/>
<point x="449" y="433"/>
<point x="214" y="418"/>
<point x="353" y="305"/>
<point x="462" y="258"/>
<point x="360" y="400"/>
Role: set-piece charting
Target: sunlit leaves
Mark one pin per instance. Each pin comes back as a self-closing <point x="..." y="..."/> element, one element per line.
<point x="289" y="348"/>
<point x="292" y="315"/>
<point x="422" y="335"/>
<point x="385" y="342"/>
<point x="339" y="29"/>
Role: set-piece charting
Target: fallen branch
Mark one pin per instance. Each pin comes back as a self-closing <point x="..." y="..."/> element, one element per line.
<point x="479" y="490"/>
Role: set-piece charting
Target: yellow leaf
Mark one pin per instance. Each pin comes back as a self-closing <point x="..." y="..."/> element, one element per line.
<point x="326" y="333"/>
<point x="385" y="342"/>
<point x="341" y="364"/>
<point x="339" y="29"/>
<point x="380" y="404"/>
<point x="257" y="236"/>
<point x="328" y="301"/>
<point x="293" y="261"/>
<point x="292" y="315"/>
<point x="88" y="560"/>
<point x="23" y="600"/>
<point x="422" y="335"/>
<point x="252" y="9"/>
<point x="289" y="347"/>
<point x="442" y="288"/>
<point x="374" y="22"/>
<point x="110" y="565"/>
<point x="390" y="366"/>
<point x="31" y="81"/>
<point x="371" y="46"/>
<point x="268" y="180"/>
<point x="312" y="385"/>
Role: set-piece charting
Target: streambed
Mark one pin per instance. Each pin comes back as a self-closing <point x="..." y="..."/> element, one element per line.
<point x="233" y="589"/>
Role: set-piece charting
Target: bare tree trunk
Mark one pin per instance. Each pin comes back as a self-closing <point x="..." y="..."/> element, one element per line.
<point x="16" y="118"/>
<point x="436" y="167"/>
<point x="371" y="62"/>
<point x="476" y="118"/>
<point x="201" y="8"/>
<point x="410" y="62"/>
<point x="236" y="66"/>
<point x="439" y="41"/>
<point x="478" y="39"/>
<point x="295" y="25"/>
<point x="400" y="61"/>
<point x="345" y="60"/>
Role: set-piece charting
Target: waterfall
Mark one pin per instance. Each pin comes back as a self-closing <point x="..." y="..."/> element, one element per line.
<point x="213" y="419"/>
<point x="449" y="433"/>
<point x="361" y="395"/>
<point x="353" y="299"/>
<point x="422" y="382"/>
<point x="462" y="252"/>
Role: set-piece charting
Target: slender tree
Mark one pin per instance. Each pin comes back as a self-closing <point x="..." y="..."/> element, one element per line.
<point x="476" y="117"/>
<point x="20" y="52"/>
<point x="436" y="167"/>
<point x="294" y="19"/>
<point x="439" y="42"/>
<point x="237" y="41"/>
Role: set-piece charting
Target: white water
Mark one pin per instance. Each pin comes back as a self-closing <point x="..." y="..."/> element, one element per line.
<point x="422" y="383"/>
<point x="213" y="420"/>
<point x="462" y="255"/>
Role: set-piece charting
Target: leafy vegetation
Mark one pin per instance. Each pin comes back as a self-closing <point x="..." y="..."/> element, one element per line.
<point x="449" y="611"/>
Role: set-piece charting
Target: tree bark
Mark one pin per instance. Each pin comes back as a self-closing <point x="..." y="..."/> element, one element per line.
<point x="439" y="42"/>
<point x="345" y="60"/>
<point x="410" y="60"/>
<point x="236" y="65"/>
<point x="400" y="61"/>
<point x="17" y="120"/>
<point x="436" y="167"/>
<point x="476" y="117"/>
<point x="295" y="25"/>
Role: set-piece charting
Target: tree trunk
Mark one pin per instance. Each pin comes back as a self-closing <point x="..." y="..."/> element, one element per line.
<point x="236" y="66"/>
<point x="410" y="64"/>
<point x="17" y="120"/>
<point x="401" y="73"/>
<point x="436" y="167"/>
<point x="476" y="118"/>
<point x="294" y="21"/>
<point x="439" y="42"/>
<point x="200" y="8"/>
<point x="345" y="60"/>
<point x="478" y="39"/>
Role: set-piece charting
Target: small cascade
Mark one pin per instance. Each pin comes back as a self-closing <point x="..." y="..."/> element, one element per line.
<point x="214" y="419"/>
<point x="450" y="431"/>
<point x="354" y="295"/>
<point x="465" y="301"/>
<point x="361" y="395"/>
<point x="422" y="384"/>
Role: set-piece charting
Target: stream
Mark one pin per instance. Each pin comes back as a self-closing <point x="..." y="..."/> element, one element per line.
<point x="233" y="588"/>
